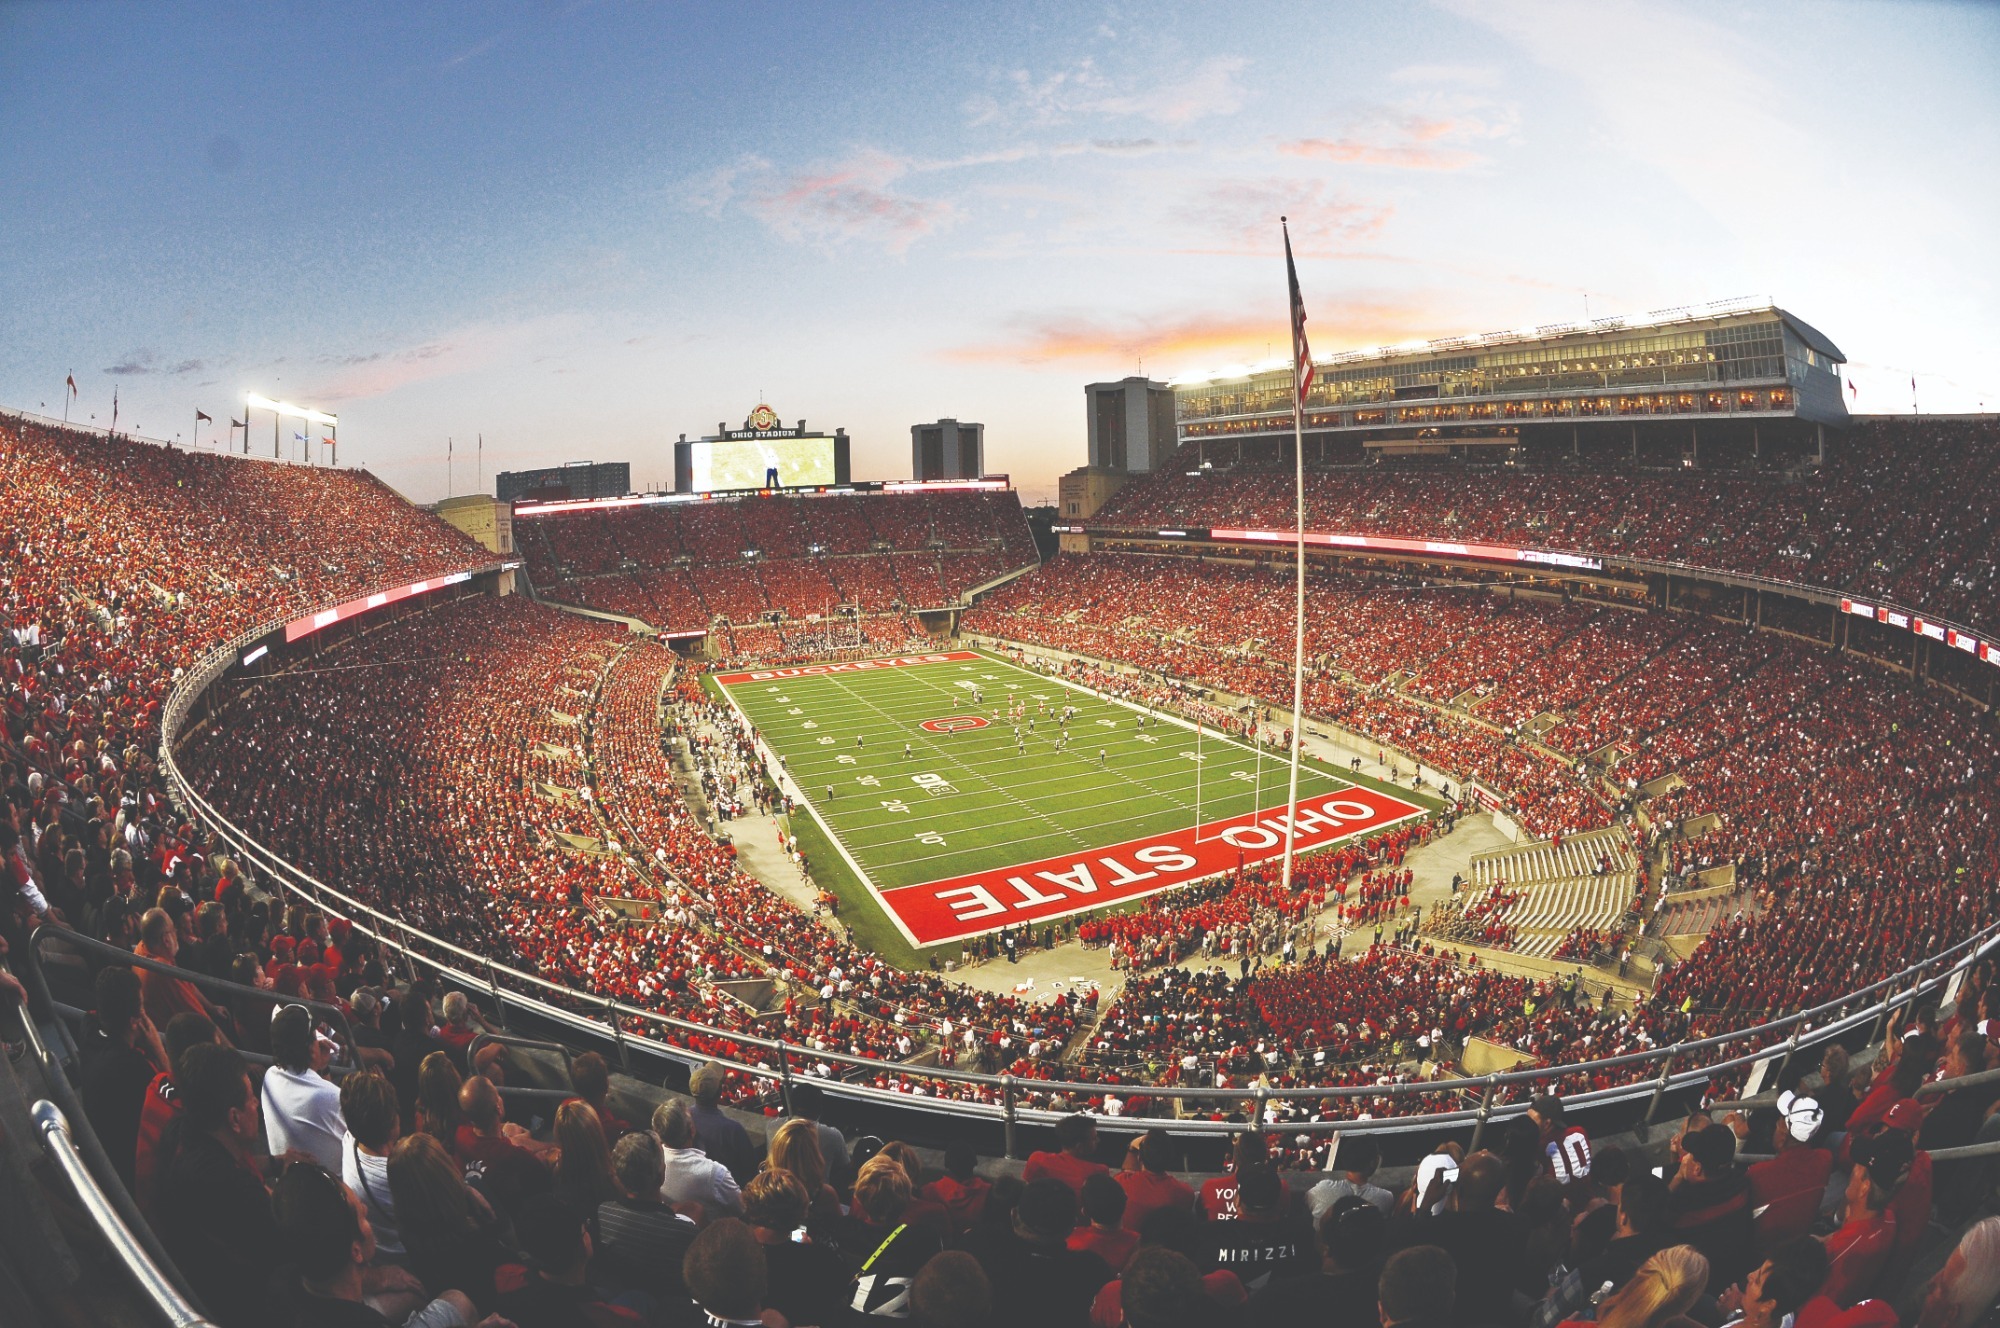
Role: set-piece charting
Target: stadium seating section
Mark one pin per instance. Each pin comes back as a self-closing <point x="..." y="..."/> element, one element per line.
<point x="682" y="566"/>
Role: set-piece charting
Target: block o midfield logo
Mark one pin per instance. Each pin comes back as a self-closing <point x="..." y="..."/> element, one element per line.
<point x="953" y="724"/>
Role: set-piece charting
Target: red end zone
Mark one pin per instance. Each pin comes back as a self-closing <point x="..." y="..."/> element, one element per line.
<point x="971" y="905"/>
<point x="849" y="666"/>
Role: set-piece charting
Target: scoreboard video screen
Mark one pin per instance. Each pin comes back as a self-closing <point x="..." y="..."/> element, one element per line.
<point x="715" y="466"/>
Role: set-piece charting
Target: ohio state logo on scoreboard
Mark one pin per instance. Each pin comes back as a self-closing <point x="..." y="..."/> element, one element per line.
<point x="953" y="724"/>
<point x="762" y="418"/>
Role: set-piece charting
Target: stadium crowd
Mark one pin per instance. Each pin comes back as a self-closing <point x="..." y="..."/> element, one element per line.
<point x="681" y="566"/>
<point x="494" y="772"/>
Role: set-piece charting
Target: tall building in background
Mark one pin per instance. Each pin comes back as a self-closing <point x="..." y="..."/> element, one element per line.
<point x="947" y="450"/>
<point x="577" y="479"/>
<point x="1131" y="424"/>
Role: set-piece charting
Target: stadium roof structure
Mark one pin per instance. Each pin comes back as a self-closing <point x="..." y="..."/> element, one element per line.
<point x="1741" y="357"/>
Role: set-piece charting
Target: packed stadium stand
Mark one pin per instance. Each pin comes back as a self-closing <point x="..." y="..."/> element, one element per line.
<point x="543" y="792"/>
<point x="680" y="566"/>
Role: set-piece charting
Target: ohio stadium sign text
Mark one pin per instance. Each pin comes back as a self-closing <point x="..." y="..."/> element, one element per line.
<point x="972" y="905"/>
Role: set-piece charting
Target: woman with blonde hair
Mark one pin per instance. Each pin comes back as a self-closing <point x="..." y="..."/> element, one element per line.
<point x="795" y="1151"/>
<point x="1665" y="1288"/>
<point x="583" y="1171"/>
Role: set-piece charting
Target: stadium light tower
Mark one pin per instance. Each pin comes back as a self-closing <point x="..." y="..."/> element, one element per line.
<point x="280" y="410"/>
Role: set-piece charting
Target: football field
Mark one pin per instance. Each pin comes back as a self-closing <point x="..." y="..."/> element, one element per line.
<point x="967" y="794"/>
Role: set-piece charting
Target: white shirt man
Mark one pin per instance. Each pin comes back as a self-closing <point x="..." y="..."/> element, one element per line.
<point x="301" y="1109"/>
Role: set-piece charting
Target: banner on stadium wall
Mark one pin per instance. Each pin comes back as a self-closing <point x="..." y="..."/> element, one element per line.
<point x="982" y="902"/>
<point x="325" y="618"/>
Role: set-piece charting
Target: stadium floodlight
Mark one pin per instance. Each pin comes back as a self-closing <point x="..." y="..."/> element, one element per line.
<point x="286" y="408"/>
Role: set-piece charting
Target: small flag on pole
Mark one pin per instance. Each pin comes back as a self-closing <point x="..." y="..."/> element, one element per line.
<point x="1852" y="390"/>
<point x="72" y="384"/>
<point x="1302" y="364"/>
<point x="203" y="415"/>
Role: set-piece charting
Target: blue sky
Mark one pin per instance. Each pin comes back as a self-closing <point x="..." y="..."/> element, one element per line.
<point x="583" y="229"/>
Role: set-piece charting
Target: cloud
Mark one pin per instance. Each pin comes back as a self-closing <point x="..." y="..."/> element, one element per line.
<point x="147" y="361"/>
<point x="855" y="200"/>
<point x="1410" y="140"/>
<point x="1083" y="91"/>
<point x="1197" y="337"/>
<point x="1235" y="216"/>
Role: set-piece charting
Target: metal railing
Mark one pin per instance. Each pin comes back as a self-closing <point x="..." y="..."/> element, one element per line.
<point x="632" y="1031"/>
<point x="132" y="1252"/>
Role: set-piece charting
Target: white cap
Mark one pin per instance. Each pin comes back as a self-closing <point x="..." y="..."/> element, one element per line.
<point x="1803" y="1115"/>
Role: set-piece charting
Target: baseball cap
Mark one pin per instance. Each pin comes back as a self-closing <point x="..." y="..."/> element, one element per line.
<point x="1904" y="1115"/>
<point x="1802" y="1115"/>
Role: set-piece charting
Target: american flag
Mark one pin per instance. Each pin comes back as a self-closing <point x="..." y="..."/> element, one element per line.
<point x="1302" y="362"/>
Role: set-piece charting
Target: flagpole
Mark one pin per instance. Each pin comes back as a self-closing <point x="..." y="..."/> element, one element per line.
<point x="1297" y="313"/>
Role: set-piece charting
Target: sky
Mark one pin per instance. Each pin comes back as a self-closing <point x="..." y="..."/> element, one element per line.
<point x="580" y="230"/>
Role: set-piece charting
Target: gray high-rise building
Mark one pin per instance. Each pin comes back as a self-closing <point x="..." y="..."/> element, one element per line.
<point x="577" y="479"/>
<point x="1131" y="424"/>
<point x="947" y="450"/>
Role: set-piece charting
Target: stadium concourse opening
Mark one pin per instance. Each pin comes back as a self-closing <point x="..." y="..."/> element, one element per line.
<point x="1054" y="801"/>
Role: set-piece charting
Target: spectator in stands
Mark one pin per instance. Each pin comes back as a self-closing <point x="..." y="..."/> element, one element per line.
<point x="499" y="1156"/>
<point x="1486" y="1244"/>
<point x="1075" y="1158"/>
<point x="808" y="1280"/>
<point x="1163" y="1289"/>
<point x="1265" y="1239"/>
<point x="1859" y="1252"/>
<point x="795" y="1149"/>
<point x="884" y="1251"/>
<point x="1955" y="1119"/>
<point x="1780" y="1287"/>
<point x="557" y="1289"/>
<point x="368" y="1105"/>
<point x="726" y="1273"/>
<point x="1036" y="1277"/>
<point x="1358" y="1159"/>
<point x="215" y="1209"/>
<point x="159" y="1117"/>
<point x="809" y="1103"/>
<point x="1418" y="1288"/>
<point x="449" y="1231"/>
<point x="951" y="1291"/>
<point x="583" y="1166"/>
<point x="716" y="1134"/>
<point x="1218" y="1198"/>
<point x="435" y="1111"/>
<point x="1351" y="1238"/>
<point x="692" y="1177"/>
<point x="1966" y="1287"/>
<point x="414" y="1042"/>
<point x="1712" y="1200"/>
<point x="1645" y="1227"/>
<point x="1102" y="1232"/>
<point x="591" y="1077"/>
<point x="121" y="1059"/>
<point x="641" y="1240"/>
<point x="1911" y="1205"/>
<point x="1147" y="1181"/>
<point x="165" y="995"/>
<point x="1785" y="1190"/>
<point x="301" y="1108"/>
<point x="1663" y="1290"/>
<point x="961" y="1191"/>
<point x="326" y="1232"/>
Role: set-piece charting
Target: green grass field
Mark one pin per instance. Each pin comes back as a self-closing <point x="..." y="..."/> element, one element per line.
<point x="985" y="798"/>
